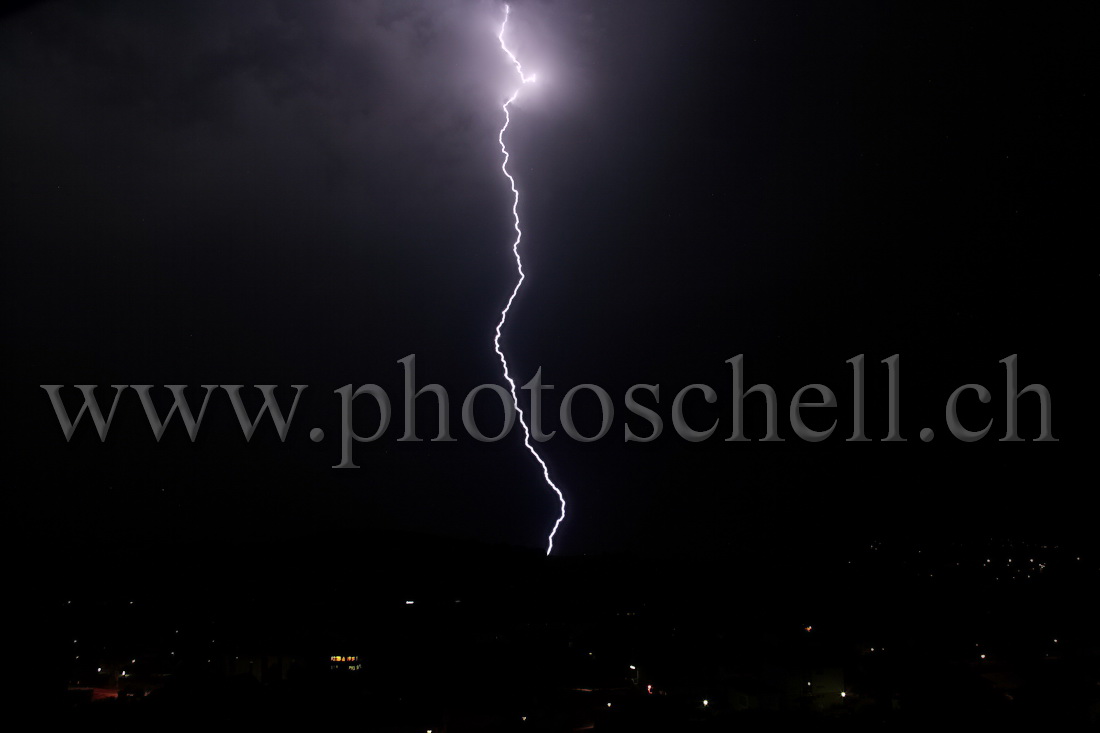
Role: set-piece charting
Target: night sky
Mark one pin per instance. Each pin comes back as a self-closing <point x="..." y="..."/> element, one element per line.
<point x="278" y="192"/>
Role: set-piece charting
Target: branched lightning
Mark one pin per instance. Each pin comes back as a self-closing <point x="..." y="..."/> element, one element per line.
<point x="524" y="79"/>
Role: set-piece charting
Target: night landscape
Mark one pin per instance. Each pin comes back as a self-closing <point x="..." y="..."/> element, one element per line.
<point x="793" y="300"/>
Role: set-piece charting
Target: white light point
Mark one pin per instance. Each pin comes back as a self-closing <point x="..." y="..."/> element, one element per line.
<point x="524" y="79"/>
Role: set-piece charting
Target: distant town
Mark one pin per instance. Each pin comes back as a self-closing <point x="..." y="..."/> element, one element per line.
<point x="498" y="639"/>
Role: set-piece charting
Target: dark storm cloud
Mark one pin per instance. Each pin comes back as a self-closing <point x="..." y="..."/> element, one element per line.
<point x="342" y="94"/>
<point x="210" y="135"/>
<point x="279" y="127"/>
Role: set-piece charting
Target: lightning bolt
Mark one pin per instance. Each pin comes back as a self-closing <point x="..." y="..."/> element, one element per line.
<point x="524" y="79"/>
